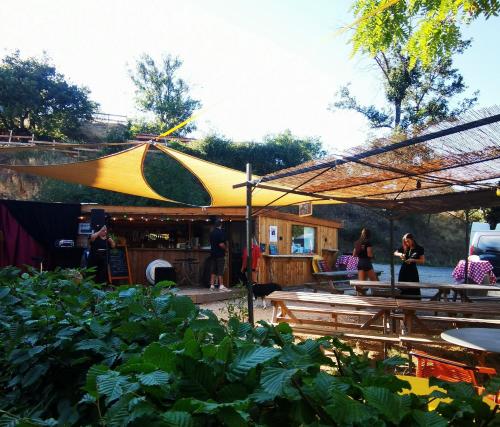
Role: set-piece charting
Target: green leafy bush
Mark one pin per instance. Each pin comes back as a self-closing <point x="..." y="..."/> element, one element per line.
<point x="74" y="354"/>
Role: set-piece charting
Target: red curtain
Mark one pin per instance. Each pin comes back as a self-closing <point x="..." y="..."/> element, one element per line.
<point x="17" y="247"/>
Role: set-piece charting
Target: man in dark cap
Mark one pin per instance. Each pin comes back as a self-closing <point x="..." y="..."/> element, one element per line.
<point x="218" y="253"/>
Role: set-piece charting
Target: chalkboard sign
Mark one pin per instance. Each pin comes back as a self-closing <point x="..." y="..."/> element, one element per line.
<point x="118" y="265"/>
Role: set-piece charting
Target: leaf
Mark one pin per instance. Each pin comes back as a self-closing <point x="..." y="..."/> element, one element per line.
<point x="233" y="418"/>
<point x="92" y="344"/>
<point x="87" y="398"/>
<point x="136" y="366"/>
<point x="346" y="411"/>
<point x="111" y="385"/>
<point x="177" y="419"/>
<point x="68" y="332"/>
<point x="4" y="292"/>
<point x="231" y="392"/>
<point x="160" y="356"/>
<point x="455" y="390"/>
<point x="395" y="361"/>
<point x="98" y="329"/>
<point x="91" y="382"/>
<point x="284" y="328"/>
<point x="128" y="293"/>
<point x="428" y="419"/>
<point x="325" y="383"/>
<point x="274" y="380"/>
<point x="224" y="350"/>
<point x="130" y="330"/>
<point x="117" y="415"/>
<point x="183" y="306"/>
<point x="34" y="374"/>
<point x="154" y="378"/>
<point x="391" y="405"/>
<point x="139" y="407"/>
<point x="250" y="357"/>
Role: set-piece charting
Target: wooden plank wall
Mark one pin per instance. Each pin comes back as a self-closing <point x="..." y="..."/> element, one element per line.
<point x="285" y="270"/>
<point x="290" y="270"/>
<point x="139" y="259"/>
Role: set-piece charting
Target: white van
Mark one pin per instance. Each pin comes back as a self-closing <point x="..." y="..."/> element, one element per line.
<point x="485" y="243"/>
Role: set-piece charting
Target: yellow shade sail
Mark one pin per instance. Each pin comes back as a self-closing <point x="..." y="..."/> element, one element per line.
<point x="121" y="172"/>
<point x="219" y="180"/>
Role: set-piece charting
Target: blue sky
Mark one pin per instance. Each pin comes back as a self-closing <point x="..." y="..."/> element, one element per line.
<point x="259" y="67"/>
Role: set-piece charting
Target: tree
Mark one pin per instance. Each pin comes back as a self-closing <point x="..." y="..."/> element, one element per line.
<point x="436" y="31"/>
<point x="417" y="96"/>
<point x="35" y="98"/>
<point x="418" y="93"/>
<point x="160" y="92"/>
<point x="274" y="153"/>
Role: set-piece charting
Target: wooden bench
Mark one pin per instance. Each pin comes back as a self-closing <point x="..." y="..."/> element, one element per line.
<point x="289" y="307"/>
<point x="332" y="286"/>
<point x="442" y="289"/>
<point x="409" y="342"/>
<point x="453" y="320"/>
<point x="413" y="312"/>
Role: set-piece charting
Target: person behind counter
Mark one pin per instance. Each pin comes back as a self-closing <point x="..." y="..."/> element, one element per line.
<point x="98" y="257"/>
<point x="218" y="255"/>
<point x="364" y="251"/>
<point x="411" y="254"/>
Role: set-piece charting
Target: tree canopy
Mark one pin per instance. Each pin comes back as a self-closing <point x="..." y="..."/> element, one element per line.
<point x="416" y="96"/>
<point x="435" y="26"/>
<point x="161" y="92"/>
<point x="418" y="91"/>
<point x="35" y="98"/>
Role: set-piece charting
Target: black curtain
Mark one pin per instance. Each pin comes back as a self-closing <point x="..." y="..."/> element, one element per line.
<point x="46" y="222"/>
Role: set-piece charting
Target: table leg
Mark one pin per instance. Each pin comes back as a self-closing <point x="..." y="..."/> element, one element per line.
<point x="436" y="296"/>
<point x="464" y="297"/>
<point x="286" y="312"/>
<point x="408" y="321"/>
<point x="360" y="291"/>
<point x="275" y="311"/>
<point x="372" y="319"/>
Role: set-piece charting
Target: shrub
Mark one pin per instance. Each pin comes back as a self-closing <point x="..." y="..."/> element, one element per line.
<point x="74" y="354"/>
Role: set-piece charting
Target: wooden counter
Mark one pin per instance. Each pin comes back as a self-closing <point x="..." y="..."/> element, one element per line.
<point x="291" y="269"/>
<point x="139" y="259"/>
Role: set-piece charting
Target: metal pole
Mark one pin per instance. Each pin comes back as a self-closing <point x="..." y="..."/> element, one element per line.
<point x="467" y="237"/>
<point x="391" y="244"/>
<point x="249" y="244"/>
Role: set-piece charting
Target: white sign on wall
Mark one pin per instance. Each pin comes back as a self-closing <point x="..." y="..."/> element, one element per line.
<point x="273" y="233"/>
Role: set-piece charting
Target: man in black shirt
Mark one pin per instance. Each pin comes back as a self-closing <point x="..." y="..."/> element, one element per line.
<point x="217" y="253"/>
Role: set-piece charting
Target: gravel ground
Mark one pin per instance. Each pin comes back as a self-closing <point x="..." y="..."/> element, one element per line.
<point x="239" y="307"/>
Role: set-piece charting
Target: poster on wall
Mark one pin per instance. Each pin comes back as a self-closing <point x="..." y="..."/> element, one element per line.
<point x="273" y="233"/>
<point x="305" y="209"/>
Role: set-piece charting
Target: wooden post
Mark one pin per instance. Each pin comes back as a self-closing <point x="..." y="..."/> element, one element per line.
<point x="391" y="243"/>
<point x="249" y="244"/>
<point x="467" y="237"/>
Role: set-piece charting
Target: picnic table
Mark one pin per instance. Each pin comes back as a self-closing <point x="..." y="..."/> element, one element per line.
<point x="290" y="307"/>
<point x="443" y="289"/>
<point x="477" y="271"/>
<point x="350" y="262"/>
<point x="337" y="280"/>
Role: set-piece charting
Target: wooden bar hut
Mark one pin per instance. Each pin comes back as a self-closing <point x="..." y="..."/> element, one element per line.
<point x="288" y="241"/>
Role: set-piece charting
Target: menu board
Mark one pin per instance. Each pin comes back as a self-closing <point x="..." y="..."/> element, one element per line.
<point x="118" y="265"/>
